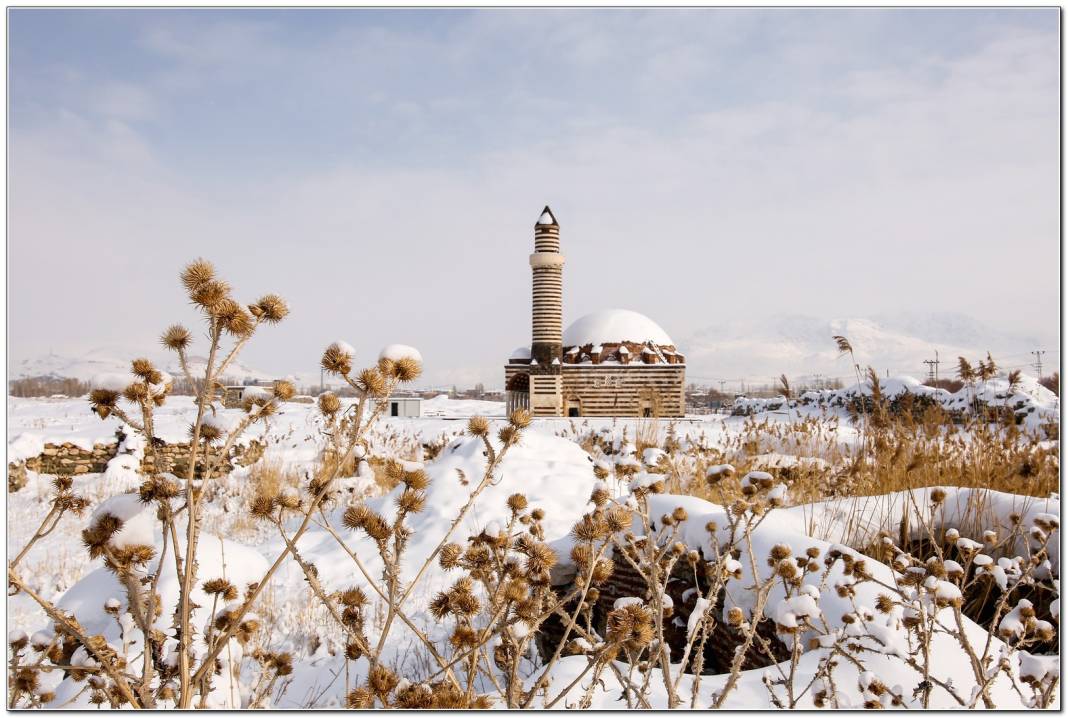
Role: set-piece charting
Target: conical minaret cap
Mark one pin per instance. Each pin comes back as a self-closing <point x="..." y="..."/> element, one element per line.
<point x="546" y="218"/>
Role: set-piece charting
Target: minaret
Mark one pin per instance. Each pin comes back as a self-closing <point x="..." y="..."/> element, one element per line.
<point x="546" y="350"/>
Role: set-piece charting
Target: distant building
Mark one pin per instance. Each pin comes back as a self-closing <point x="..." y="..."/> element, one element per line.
<point x="609" y="363"/>
<point x="234" y="396"/>
<point x="408" y="406"/>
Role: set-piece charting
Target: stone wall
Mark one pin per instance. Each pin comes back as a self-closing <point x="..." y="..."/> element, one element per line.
<point x="67" y="459"/>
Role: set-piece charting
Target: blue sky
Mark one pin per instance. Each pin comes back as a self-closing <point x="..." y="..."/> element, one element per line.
<point x="382" y="168"/>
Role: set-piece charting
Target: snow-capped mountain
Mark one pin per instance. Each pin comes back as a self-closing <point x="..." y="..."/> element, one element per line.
<point x="86" y="365"/>
<point x="803" y="346"/>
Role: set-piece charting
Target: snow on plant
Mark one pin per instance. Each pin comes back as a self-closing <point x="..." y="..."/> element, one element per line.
<point x="169" y="654"/>
<point x="720" y="605"/>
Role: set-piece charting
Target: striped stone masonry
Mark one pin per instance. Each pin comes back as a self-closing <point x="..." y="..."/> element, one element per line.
<point x="547" y="270"/>
<point x="622" y="378"/>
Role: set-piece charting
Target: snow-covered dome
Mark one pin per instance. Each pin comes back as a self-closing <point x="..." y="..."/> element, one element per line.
<point x="612" y="326"/>
<point x="520" y="353"/>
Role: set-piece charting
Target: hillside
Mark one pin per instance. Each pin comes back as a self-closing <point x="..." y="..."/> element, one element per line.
<point x="802" y="345"/>
<point x="117" y="360"/>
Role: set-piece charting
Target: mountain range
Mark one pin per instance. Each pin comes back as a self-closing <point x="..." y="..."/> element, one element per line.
<point x="107" y="360"/>
<point x="756" y="351"/>
<point x="800" y="345"/>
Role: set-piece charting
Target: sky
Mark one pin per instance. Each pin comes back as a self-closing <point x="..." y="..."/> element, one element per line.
<point x="383" y="170"/>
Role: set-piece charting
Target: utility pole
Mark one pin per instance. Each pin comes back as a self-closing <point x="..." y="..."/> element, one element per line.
<point x="722" y="383"/>
<point x="1038" y="361"/>
<point x="932" y="367"/>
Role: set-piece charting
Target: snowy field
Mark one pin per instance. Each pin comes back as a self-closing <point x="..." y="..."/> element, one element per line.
<point x="556" y="474"/>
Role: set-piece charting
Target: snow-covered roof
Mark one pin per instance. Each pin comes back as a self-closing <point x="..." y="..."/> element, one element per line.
<point x="611" y="326"/>
<point x="520" y="353"/>
<point x="547" y="217"/>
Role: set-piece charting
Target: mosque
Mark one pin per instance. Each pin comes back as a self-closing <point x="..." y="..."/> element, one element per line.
<point x="613" y="362"/>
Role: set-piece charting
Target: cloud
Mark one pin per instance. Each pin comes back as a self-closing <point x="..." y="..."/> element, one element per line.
<point x="385" y="178"/>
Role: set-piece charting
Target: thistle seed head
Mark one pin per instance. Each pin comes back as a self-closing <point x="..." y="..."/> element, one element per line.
<point x="145" y="370"/>
<point x="262" y="506"/>
<point x="372" y="382"/>
<point x="353" y="597"/>
<point x="416" y="480"/>
<point x="449" y="556"/>
<point x="208" y="432"/>
<point x="135" y="392"/>
<point x="337" y="359"/>
<point x="270" y="308"/>
<point x="463" y="637"/>
<point x="359" y="698"/>
<point x="478" y="426"/>
<point x="617" y="518"/>
<point x="211" y="295"/>
<point x="103" y="398"/>
<point x="198" y="272"/>
<point x="602" y="570"/>
<point x="780" y="551"/>
<point x="235" y="320"/>
<point x="407" y="369"/>
<point x="411" y="501"/>
<point x="520" y="418"/>
<point x="220" y="587"/>
<point x="517" y="503"/>
<point x="329" y="404"/>
<point x="284" y="390"/>
<point x="631" y="626"/>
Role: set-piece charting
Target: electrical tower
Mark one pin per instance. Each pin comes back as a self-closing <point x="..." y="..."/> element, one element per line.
<point x="932" y="367"/>
<point x="1038" y="361"/>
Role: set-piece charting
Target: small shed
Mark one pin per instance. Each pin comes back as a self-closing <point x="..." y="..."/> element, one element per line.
<point x="410" y="406"/>
<point x="234" y="396"/>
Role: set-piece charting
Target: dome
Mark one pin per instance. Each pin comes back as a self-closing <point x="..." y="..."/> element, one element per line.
<point x="520" y="353"/>
<point x="611" y="326"/>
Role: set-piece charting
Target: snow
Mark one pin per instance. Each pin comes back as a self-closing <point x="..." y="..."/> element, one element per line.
<point x="757" y="479"/>
<point x="138" y="520"/>
<point x="700" y="606"/>
<point x="790" y="612"/>
<point x="555" y="474"/>
<point x="719" y="470"/>
<point x="25" y="446"/>
<point x="1037" y="668"/>
<point x="546" y="217"/>
<point x="112" y="381"/>
<point x="522" y="352"/>
<point x="1033" y="404"/>
<point x="946" y="591"/>
<point x="396" y="352"/>
<point x="652" y="456"/>
<point x="344" y="347"/>
<point x="612" y="326"/>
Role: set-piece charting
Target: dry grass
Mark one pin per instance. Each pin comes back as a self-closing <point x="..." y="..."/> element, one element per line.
<point x="903" y="456"/>
<point x="270" y="477"/>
